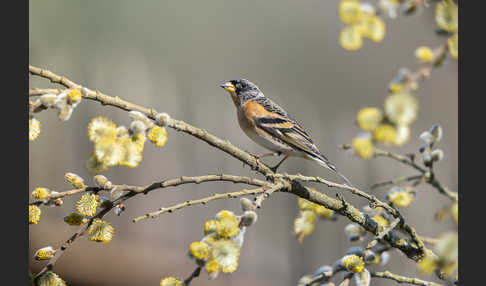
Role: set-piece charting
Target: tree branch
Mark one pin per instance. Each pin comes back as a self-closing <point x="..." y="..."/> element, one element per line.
<point x="403" y="279"/>
<point x="160" y="185"/>
<point x="397" y="181"/>
<point x="205" y="200"/>
<point x="430" y="178"/>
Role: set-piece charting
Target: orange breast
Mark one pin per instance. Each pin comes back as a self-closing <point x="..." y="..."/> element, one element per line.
<point x="254" y="109"/>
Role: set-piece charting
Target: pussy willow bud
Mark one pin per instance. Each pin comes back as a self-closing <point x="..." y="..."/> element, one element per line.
<point x="249" y="218"/>
<point x="355" y="250"/>
<point x="384" y="258"/>
<point x="427" y="156"/>
<point x="162" y="119"/>
<point x="433" y="135"/>
<point x="44" y="253"/>
<point x="369" y="256"/>
<point x="246" y="204"/>
<point x="40" y="193"/>
<point x="353" y="263"/>
<point x="75" y="180"/>
<point x="138" y="127"/>
<point x="437" y="155"/>
<point x="102" y="182"/>
<point x="122" y="131"/>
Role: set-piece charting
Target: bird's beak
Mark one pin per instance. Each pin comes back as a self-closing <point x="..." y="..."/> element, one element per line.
<point x="228" y="86"/>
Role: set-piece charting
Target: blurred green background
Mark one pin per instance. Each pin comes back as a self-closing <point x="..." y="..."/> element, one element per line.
<point x="172" y="55"/>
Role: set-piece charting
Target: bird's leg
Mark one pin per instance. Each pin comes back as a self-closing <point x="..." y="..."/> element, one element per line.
<point x="258" y="157"/>
<point x="274" y="169"/>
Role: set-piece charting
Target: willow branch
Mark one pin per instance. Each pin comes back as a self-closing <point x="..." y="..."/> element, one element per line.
<point x="205" y="200"/>
<point x="193" y="180"/>
<point x="53" y="196"/>
<point x="385" y="231"/>
<point x="373" y="200"/>
<point x="408" y="246"/>
<point x="178" y="125"/>
<point x="397" y="181"/>
<point x="430" y="179"/>
<point x="403" y="279"/>
<point x="160" y="185"/>
<point x="400" y="158"/>
<point x="42" y="91"/>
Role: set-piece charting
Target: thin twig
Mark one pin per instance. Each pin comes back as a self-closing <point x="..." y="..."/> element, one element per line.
<point x="205" y="200"/>
<point x="431" y="178"/>
<point x="397" y="181"/>
<point x="161" y="184"/>
<point x="54" y="195"/>
<point x="400" y="158"/>
<point x="403" y="279"/>
<point x="42" y="91"/>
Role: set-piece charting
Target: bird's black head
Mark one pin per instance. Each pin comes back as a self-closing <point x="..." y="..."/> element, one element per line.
<point x="241" y="90"/>
<point x="240" y="86"/>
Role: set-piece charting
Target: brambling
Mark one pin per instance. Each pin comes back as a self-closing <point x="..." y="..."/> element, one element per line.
<point x="271" y="126"/>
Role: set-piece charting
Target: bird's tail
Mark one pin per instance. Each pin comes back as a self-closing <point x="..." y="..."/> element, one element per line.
<point x="330" y="166"/>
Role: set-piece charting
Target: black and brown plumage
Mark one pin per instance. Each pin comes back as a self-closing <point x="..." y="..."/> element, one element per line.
<point x="271" y="126"/>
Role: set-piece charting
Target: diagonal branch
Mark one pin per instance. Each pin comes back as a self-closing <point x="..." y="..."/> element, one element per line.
<point x="178" y="125"/>
<point x="409" y="247"/>
<point x="373" y="200"/>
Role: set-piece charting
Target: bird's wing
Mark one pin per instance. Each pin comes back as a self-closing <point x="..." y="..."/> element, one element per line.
<point x="281" y="125"/>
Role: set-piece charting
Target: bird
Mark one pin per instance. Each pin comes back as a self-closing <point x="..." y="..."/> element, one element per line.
<point x="271" y="127"/>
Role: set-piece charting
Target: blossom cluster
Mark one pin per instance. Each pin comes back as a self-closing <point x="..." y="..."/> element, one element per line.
<point x="353" y="264"/>
<point x="118" y="145"/>
<point x="388" y="127"/>
<point x="64" y="103"/>
<point x="431" y="137"/>
<point x="219" y="249"/>
<point x="445" y="256"/>
<point x="304" y="223"/>
<point x="86" y="207"/>
<point x="447" y="18"/>
<point x="361" y="22"/>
